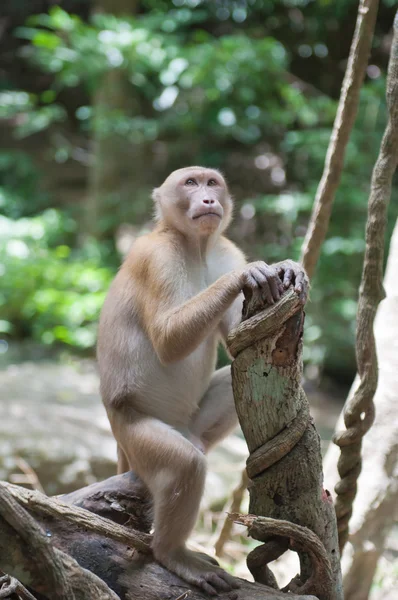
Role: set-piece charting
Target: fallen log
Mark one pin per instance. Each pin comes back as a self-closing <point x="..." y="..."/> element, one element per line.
<point x="91" y="536"/>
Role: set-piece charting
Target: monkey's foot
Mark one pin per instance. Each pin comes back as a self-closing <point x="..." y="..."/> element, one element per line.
<point x="194" y="569"/>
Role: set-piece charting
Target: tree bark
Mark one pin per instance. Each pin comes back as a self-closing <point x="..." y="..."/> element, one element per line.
<point x="343" y="124"/>
<point x="285" y="465"/>
<point x="376" y="505"/>
<point x="63" y="551"/>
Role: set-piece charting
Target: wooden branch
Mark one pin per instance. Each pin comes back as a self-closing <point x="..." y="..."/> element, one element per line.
<point x="55" y="508"/>
<point x="10" y="585"/>
<point x="123" y="499"/>
<point x="264" y="323"/>
<point x="236" y="502"/>
<point x="285" y="463"/>
<point x="89" y="558"/>
<point x="343" y="124"/>
<point x="54" y="571"/>
<point x="359" y="410"/>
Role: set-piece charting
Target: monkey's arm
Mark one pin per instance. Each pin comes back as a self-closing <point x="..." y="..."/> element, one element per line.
<point x="160" y="278"/>
<point x="179" y="330"/>
<point x="236" y="260"/>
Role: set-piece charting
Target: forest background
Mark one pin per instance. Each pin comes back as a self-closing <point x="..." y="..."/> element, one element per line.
<point x="99" y="101"/>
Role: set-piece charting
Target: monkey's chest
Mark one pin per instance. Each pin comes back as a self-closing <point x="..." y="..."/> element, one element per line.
<point x="198" y="367"/>
<point x="188" y="381"/>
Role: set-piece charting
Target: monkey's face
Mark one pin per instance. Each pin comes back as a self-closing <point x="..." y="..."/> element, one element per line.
<point x="196" y="200"/>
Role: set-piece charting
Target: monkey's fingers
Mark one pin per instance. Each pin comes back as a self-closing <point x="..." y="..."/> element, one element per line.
<point x="232" y="581"/>
<point x="263" y="284"/>
<point x="288" y="278"/>
<point x="250" y="281"/>
<point x="300" y="277"/>
<point x="217" y="581"/>
<point x="212" y="584"/>
<point x="273" y="284"/>
<point x="301" y="286"/>
<point x="270" y="284"/>
<point x="266" y="293"/>
<point x="281" y="272"/>
<point x="206" y="587"/>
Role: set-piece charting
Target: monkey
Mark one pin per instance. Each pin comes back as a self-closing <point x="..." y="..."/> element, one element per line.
<point x="176" y="296"/>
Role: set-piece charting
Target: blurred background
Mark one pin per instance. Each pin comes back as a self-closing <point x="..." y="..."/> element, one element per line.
<point x="99" y="101"/>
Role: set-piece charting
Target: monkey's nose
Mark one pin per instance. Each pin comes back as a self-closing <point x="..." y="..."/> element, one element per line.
<point x="208" y="201"/>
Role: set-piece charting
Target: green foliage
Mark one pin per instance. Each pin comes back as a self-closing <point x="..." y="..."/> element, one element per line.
<point x="192" y="79"/>
<point x="248" y="86"/>
<point x="49" y="292"/>
<point x="20" y="194"/>
<point x="330" y="322"/>
<point x="32" y="118"/>
<point x="330" y="314"/>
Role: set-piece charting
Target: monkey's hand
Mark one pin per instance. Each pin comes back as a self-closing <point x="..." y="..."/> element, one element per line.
<point x="199" y="571"/>
<point x="261" y="278"/>
<point x="292" y="274"/>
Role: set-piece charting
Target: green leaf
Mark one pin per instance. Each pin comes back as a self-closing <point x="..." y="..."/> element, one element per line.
<point x="47" y="40"/>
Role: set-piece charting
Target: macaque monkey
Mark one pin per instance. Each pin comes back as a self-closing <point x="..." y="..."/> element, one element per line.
<point x="176" y="296"/>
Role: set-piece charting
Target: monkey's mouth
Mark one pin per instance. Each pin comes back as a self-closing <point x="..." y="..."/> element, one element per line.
<point x="207" y="214"/>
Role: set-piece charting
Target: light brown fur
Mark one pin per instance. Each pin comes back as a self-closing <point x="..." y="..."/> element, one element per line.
<point x="176" y="296"/>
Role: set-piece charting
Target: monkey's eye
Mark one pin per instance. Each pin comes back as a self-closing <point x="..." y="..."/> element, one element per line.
<point x="212" y="182"/>
<point x="190" y="181"/>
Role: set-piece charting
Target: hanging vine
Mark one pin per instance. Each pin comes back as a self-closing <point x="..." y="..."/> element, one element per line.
<point x="359" y="411"/>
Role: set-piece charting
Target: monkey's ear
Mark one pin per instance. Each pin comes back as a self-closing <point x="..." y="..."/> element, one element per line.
<point x="156" y="198"/>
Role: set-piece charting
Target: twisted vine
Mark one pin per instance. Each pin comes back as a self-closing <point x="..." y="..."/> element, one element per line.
<point x="359" y="411"/>
<point x="343" y="124"/>
<point x="288" y="536"/>
<point x="269" y="453"/>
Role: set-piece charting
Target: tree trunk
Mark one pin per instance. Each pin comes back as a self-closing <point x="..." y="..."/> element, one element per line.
<point x="117" y="166"/>
<point x="285" y="465"/>
<point x="376" y="505"/>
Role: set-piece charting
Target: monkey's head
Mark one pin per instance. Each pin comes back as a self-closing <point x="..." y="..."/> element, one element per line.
<point x="194" y="200"/>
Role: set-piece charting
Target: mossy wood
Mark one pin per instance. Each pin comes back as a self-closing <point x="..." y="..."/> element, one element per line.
<point x="285" y="464"/>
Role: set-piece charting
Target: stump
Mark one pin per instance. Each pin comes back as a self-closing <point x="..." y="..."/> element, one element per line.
<point x="285" y="463"/>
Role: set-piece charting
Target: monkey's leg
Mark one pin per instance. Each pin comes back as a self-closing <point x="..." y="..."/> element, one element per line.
<point x="216" y="416"/>
<point x="122" y="462"/>
<point x="174" y="471"/>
